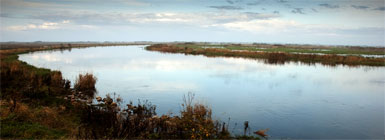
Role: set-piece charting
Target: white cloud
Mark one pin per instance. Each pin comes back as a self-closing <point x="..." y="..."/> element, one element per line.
<point x="44" y="26"/>
<point x="66" y="21"/>
<point x="21" y="27"/>
<point x="48" y="25"/>
<point x="267" y="25"/>
<point x="279" y="26"/>
<point x="88" y="26"/>
<point x="122" y="18"/>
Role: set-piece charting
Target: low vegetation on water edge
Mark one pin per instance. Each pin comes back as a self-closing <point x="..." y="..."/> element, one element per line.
<point x="85" y="84"/>
<point x="38" y="103"/>
<point x="290" y="48"/>
<point x="273" y="56"/>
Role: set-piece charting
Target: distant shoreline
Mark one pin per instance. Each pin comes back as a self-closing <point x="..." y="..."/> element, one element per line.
<point x="279" y="54"/>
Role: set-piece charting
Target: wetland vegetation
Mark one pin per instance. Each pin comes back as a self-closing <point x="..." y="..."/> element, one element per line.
<point x="192" y="69"/>
<point x="279" y="54"/>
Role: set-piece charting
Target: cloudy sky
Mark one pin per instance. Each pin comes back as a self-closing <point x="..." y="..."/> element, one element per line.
<point x="328" y="22"/>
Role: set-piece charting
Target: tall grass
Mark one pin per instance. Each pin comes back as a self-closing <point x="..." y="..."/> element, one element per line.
<point x="85" y="84"/>
<point x="196" y="118"/>
<point x="140" y="121"/>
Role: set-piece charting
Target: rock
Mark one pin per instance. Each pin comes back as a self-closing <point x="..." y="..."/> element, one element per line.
<point x="99" y="98"/>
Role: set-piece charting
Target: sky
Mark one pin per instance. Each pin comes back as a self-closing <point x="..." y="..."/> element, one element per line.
<point x="324" y="22"/>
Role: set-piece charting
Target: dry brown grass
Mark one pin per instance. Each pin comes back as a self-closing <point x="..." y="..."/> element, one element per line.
<point x="51" y="117"/>
<point x="196" y="120"/>
<point x="85" y="83"/>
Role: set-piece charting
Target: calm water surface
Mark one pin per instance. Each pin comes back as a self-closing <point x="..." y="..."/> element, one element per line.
<point x="292" y="100"/>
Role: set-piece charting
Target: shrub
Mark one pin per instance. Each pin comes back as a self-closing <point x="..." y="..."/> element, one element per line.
<point x="86" y="84"/>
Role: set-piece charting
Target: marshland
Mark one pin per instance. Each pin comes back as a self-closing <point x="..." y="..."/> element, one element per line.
<point x="328" y="55"/>
<point x="132" y="91"/>
<point x="192" y="69"/>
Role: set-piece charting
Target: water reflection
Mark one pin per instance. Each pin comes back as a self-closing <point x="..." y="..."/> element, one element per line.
<point x="292" y="99"/>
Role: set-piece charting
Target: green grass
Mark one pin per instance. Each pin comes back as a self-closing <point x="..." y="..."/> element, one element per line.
<point x="16" y="129"/>
<point x="10" y="58"/>
<point x="15" y="58"/>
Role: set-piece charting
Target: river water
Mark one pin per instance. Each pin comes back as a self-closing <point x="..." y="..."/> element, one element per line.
<point x="293" y="100"/>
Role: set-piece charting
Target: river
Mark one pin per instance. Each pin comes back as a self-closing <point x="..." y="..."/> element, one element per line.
<point x="293" y="100"/>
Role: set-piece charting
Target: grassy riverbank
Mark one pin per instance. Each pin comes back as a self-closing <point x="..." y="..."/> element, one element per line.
<point x="279" y="54"/>
<point x="38" y="103"/>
